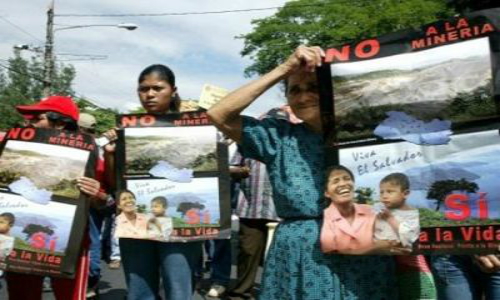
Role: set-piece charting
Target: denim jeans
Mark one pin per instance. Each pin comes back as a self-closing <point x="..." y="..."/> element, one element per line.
<point x="115" y="247"/>
<point x="95" y="224"/>
<point x="221" y="261"/>
<point x="458" y="277"/>
<point x="145" y="261"/>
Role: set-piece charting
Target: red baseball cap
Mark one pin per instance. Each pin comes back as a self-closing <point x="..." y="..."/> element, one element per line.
<point x="60" y="104"/>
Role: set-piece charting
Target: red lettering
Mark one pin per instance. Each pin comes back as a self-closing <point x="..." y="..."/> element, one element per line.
<point x="448" y="26"/>
<point x="416" y="44"/>
<point x="487" y="28"/>
<point x="440" y="39"/>
<point x="128" y="121"/>
<point x="14" y="133"/>
<point x="28" y="134"/>
<point x="147" y="120"/>
<point x="431" y="30"/>
<point x="462" y="23"/>
<point x="482" y="204"/>
<point x="465" y="33"/>
<point x="452" y="36"/>
<point x="332" y="54"/>
<point x="373" y="47"/>
<point x="38" y="240"/>
<point x="461" y="211"/>
<point x="467" y="233"/>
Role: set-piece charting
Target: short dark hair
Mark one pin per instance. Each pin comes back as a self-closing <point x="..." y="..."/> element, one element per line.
<point x="330" y="169"/>
<point x="57" y="118"/>
<point x="9" y="216"/>
<point x="399" y="179"/>
<point x="121" y="192"/>
<point x="165" y="74"/>
<point x="160" y="199"/>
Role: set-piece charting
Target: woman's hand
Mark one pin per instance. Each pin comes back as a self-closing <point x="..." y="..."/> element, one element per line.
<point x="305" y="58"/>
<point x="488" y="263"/>
<point x="88" y="186"/>
<point x="385" y="214"/>
<point x="112" y="137"/>
<point x="389" y="247"/>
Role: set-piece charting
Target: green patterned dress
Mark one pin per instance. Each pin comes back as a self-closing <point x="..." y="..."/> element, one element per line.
<point x="295" y="267"/>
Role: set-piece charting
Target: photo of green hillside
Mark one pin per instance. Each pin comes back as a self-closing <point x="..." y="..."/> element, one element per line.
<point x="425" y="85"/>
<point x="182" y="147"/>
<point x="49" y="167"/>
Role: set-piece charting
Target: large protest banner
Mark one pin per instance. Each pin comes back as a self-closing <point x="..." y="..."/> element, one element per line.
<point x="423" y="102"/>
<point x="43" y="215"/>
<point x="176" y="166"/>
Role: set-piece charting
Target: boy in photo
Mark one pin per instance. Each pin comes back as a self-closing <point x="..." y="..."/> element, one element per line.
<point x="159" y="226"/>
<point x="397" y="221"/>
<point x="6" y="241"/>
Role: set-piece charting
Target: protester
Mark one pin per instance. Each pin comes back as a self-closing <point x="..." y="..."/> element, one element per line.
<point x="56" y="112"/>
<point x="143" y="259"/>
<point x="466" y="277"/>
<point x="87" y="124"/>
<point x="295" y="268"/>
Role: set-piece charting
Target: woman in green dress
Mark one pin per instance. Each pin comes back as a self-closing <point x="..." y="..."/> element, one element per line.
<point x="295" y="267"/>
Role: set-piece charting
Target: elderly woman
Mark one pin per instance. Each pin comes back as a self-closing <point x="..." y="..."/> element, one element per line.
<point x="293" y="153"/>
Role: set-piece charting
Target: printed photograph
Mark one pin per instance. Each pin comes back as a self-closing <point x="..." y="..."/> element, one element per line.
<point x="423" y="87"/>
<point x="453" y="184"/>
<point x="163" y="206"/>
<point x="48" y="167"/>
<point x="193" y="148"/>
<point x="25" y="225"/>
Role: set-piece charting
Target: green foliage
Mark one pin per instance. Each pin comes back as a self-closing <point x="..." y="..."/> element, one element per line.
<point x="141" y="208"/>
<point x="9" y="176"/>
<point x="431" y="218"/>
<point x="364" y="195"/>
<point x="105" y="117"/>
<point x="329" y="23"/>
<point x="184" y="207"/>
<point x="22" y="83"/>
<point x="440" y="189"/>
<point x="206" y="162"/>
<point x="66" y="188"/>
<point x="474" y="104"/>
<point x="141" y="164"/>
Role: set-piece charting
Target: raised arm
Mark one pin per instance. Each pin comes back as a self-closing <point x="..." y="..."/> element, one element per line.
<point x="226" y="114"/>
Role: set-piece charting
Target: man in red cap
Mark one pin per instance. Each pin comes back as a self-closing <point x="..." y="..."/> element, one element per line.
<point x="57" y="112"/>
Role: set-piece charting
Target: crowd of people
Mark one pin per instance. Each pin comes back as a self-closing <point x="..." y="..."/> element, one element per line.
<point x="278" y="174"/>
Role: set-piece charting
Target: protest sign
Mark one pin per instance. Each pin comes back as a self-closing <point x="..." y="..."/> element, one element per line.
<point x="42" y="210"/>
<point x="425" y="103"/>
<point x="211" y="94"/>
<point x="176" y="166"/>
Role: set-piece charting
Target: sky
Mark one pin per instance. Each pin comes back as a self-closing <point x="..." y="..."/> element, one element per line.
<point x="199" y="48"/>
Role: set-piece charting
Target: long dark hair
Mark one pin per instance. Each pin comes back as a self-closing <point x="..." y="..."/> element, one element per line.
<point x="165" y="74"/>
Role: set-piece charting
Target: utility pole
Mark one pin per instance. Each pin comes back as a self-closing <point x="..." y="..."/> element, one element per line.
<point x="48" y="70"/>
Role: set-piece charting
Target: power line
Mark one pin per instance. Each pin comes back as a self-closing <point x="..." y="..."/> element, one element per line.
<point x="187" y="13"/>
<point x="20" y="29"/>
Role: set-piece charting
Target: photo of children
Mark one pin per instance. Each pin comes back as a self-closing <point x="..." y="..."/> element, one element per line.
<point x="7" y="220"/>
<point x="348" y="227"/>
<point x="159" y="225"/>
<point x="129" y="222"/>
<point x="396" y="221"/>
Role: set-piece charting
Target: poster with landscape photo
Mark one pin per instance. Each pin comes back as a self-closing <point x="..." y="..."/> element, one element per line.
<point x="50" y="167"/>
<point x="39" y="199"/>
<point x="194" y="213"/>
<point x="45" y="236"/>
<point x="422" y="104"/>
<point x="193" y="148"/>
<point x="176" y="166"/>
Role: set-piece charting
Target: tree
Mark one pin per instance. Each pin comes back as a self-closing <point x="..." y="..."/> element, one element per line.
<point x="105" y="117"/>
<point x="31" y="229"/>
<point x="21" y="83"/>
<point x="329" y="23"/>
<point x="442" y="188"/>
<point x="184" y="207"/>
